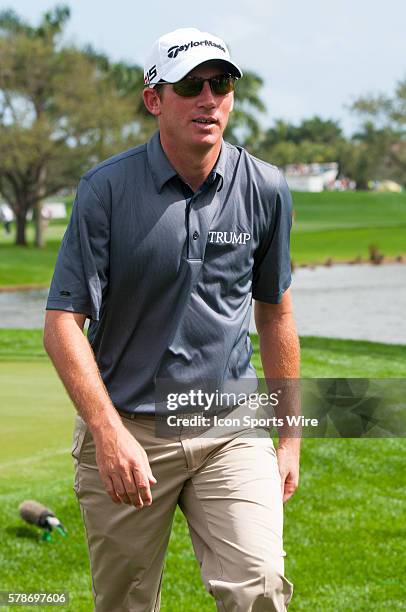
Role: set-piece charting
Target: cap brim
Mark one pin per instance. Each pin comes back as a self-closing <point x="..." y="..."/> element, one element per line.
<point x="180" y="71"/>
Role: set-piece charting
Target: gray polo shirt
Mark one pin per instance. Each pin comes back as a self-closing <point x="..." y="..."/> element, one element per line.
<point x="166" y="275"/>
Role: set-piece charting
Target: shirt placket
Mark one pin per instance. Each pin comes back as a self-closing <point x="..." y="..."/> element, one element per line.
<point x="201" y="207"/>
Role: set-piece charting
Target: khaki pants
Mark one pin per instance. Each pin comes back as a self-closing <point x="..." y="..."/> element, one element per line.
<point x="229" y="491"/>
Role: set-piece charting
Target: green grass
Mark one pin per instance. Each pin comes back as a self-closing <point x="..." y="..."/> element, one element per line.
<point x="334" y="225"/>
<point x="346" y="244"/>
<point x="21" y="345"/>
<point x="332" y="209"/>
<point x="331" y="357"/>
<point x="343" y="225"/>
<point x="27" y="265"/>
<point x="319" y="355"/>
<point x="344" y="528"/>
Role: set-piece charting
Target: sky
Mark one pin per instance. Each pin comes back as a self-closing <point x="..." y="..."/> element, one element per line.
<point x="315" y="57"/>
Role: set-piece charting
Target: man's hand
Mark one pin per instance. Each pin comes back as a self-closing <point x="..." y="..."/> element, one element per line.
<point x="288" y="454"/>
<point x="124" y="467"/>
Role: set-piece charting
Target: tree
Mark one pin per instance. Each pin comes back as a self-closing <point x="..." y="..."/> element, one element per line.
<point x="383" y="133"/>
<point x="313" y="140"/>
<point x="243" y="126"/>
<point x="60" y="111"/>
<point x="63" y="109"/>
<point x="315" y="129"/>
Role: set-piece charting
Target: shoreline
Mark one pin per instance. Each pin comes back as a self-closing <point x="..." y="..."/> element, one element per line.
<point x="380" y="260"/>
<point x="11" y="288"/>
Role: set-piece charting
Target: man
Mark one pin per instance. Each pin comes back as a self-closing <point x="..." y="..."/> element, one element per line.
<point x="166" y="246"/>
<point x="6" y="216"/>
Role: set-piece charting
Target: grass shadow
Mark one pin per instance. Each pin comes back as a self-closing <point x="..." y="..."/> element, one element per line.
<point x="21" y="531"/>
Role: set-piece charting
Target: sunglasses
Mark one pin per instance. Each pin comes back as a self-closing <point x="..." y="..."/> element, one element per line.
<point x="192" y="86"/>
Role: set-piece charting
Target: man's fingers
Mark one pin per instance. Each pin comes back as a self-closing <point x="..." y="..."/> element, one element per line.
<point x="142" y="482"/>
<point x="126" y="472"/>
<point x="150" y="475"/>
<point x="120" y="489"/>
<point x="109" y="486"/>
<point x="288" y="465"/>
<point x="131" y="489"/>
<point x="284" y="488"/>
<point x="152" y="478"/>
<point x="287" y="494"/>
<point x="284" y="475"/>
<point x="289" y="486"/>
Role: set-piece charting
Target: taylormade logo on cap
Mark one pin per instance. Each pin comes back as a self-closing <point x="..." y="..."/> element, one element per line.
<point x="173" y="51"/>
<point x="175" y="54"/>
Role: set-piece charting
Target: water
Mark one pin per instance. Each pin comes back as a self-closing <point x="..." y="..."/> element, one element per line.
<point x="362" y="302"/>
<point x="23" y="308"/>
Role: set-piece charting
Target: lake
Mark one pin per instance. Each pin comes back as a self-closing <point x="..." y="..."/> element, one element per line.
<point x="362" y="302"/>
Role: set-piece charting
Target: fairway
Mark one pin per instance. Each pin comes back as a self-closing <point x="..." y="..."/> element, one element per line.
<point x="348" y="209"/>
<point x="343" y="225"/>
<point x="336" y="225"/>
<point x="344" y="528"/>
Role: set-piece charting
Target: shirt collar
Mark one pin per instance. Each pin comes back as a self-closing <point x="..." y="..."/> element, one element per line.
<point x="161" y="168"/>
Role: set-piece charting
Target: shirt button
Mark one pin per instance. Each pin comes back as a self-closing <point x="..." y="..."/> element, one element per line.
<point x="195" y="235"/>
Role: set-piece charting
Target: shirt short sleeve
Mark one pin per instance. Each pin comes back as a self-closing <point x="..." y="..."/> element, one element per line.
<point x="81" y="272"/>
<point x="272" y="266"/>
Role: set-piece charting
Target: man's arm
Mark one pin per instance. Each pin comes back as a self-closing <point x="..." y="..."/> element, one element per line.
<point x="280" y="356"/>
<point x="122" y="462"/>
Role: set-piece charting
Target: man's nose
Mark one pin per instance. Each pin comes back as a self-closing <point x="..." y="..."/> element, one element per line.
<point x="206" y="96"/>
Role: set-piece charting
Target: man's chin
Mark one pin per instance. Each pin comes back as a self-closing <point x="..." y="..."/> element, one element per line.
<point x="205" y="141"/>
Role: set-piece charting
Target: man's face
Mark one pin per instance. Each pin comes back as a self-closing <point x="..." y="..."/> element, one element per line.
<point x="179" y="116"/>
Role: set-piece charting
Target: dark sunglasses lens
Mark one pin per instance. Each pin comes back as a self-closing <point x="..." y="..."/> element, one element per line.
<point x="222" y="85"/>
<point x="188" y="87"/>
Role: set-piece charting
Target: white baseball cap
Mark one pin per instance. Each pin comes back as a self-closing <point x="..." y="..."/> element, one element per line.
<point x="175" y="54"/>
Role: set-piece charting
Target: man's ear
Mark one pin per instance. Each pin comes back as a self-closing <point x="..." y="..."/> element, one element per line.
<point x="152" y="101"/>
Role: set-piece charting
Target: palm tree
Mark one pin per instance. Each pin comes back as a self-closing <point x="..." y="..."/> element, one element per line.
<point x="243" y="127"/>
